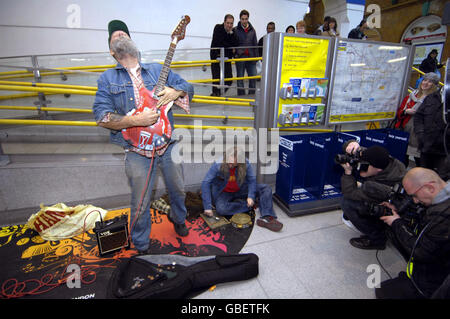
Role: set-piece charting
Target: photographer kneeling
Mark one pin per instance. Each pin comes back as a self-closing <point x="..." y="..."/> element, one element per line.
<point x="428" y="245"/>
<point x="379" y="172"/>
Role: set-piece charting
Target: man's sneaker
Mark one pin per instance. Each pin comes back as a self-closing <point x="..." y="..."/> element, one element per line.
<point x="348" y="223"/>
<point x="270" y="223"/>
<point x="365" y="243"/>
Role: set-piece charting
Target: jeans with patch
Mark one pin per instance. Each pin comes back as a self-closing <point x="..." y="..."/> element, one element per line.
<point x="141" y="181"/>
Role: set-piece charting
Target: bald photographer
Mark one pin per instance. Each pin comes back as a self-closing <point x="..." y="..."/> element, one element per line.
<point x="368" y="180"/>
<point x="427" y="241"/>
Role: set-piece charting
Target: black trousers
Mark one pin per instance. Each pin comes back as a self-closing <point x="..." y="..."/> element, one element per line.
<point x="370" y="226"/>
<point x="433" y="161"/>
<point x="215" y="71"/>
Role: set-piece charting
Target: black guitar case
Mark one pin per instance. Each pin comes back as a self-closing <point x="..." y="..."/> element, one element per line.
<point x="176" y="277"/>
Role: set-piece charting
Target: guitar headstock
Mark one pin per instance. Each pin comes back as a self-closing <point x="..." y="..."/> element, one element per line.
<point x="180" y="30"/>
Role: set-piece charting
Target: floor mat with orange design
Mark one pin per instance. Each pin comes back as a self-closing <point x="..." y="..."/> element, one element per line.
<point x="32" y="267"/>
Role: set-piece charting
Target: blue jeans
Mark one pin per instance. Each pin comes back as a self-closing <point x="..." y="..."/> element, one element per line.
<point x="233" y="203"/>
<point x="250" y="66"/>
<point x="137" y="169"/>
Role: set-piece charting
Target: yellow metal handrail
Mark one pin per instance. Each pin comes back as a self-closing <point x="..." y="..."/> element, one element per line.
<point x="82" y="123"/>
<point x="94" y="88"/>
<point x="202" y="127"/>
<point x="45" y="90"/>
<point x="422" y="73"/>
<point x="50" y="85"/>
<point x="76" y="110"/>
<point x="101" y="68"/>
<point x="46" y="122"/>
<point x="54" y="90"/>
<point x="226" y="79"/>
<point x="209" y="101"/>
<point x="18" y="96"/>
<point x="45" y="108"/>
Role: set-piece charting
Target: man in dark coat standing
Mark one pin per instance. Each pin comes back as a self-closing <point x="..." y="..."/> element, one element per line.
<point x="223" y="37"/>
<point x="430" y="63"/>
<point x="247" y="39"/>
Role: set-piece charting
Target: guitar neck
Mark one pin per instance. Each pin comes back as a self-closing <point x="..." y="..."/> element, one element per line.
<point x="166" y="67"/>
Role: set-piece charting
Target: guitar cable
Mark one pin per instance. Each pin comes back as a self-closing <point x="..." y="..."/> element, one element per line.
<point x="144" y="192"/>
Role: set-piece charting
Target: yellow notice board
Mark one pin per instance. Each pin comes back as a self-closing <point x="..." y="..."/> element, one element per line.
<point x="303" y="82"/>
<point x="304" y="58"/>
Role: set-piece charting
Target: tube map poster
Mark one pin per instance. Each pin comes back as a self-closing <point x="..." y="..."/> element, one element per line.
<point x="368" y="81"/>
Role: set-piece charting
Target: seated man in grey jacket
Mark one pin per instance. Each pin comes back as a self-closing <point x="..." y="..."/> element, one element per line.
<point x="380" y="174"/>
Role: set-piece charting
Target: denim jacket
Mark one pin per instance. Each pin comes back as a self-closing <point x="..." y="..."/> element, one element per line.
<point x="214" y="183"/>
<point x="115" y="93"/>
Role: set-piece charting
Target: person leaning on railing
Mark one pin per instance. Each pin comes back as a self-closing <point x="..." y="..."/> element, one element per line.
<point x="223" y="37"/>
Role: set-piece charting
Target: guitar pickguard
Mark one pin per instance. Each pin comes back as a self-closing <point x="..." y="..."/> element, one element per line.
<point x="151" y="137"/>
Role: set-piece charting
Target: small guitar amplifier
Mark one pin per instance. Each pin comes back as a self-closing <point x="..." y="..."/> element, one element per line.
<point x="112" y="234"/>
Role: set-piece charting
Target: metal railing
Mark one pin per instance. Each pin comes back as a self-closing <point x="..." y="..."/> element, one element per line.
<point x="41" y="90"/>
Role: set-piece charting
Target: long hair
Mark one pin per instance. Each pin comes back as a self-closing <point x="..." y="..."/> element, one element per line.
<point x="327" y="27"/>
<point x="433" y="78"/>
<point x="233" y="155"/>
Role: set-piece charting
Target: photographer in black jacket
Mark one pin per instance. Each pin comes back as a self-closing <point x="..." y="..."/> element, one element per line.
<point x="380" y="174"/>
<point x="428" y="244"/>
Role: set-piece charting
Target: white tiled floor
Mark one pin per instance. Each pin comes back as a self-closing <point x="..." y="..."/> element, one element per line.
<point x="310" y="258"/>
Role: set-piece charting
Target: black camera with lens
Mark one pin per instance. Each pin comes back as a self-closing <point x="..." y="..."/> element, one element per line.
<point x="354" y="160"/>
<point x="404" y="204"/>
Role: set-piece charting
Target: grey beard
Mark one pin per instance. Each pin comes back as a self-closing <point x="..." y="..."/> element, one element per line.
<point x="123" y="47"/>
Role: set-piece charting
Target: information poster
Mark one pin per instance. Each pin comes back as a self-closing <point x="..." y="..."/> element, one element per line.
<point x="368" y="81"/>
<point x="422" y="51"/>
<point x="303" y="82"/>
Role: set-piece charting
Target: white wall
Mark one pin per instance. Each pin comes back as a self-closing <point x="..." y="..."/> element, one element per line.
<point x="29" y="27"/>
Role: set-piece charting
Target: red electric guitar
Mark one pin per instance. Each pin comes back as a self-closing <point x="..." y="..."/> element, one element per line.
<point x="156" y="136"/>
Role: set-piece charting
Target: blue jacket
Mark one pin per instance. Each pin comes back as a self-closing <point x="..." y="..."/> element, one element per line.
<point x="246" y="39"/>
<point x="115" y="93"/>
<point x="214" y="183"/>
